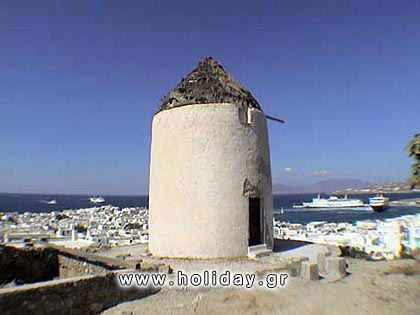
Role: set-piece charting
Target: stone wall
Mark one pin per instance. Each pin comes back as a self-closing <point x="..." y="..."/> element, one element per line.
<point x="72" y="265"/>
<point x="23" y="265"/>
<point x="30" y="265"/>
<point x="77" y="296"/>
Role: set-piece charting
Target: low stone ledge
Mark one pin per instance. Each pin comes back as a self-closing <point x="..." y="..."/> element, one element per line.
<point x="27" y="265"/>
<point x="100" y="261"/>
<point x="74" y="296"/>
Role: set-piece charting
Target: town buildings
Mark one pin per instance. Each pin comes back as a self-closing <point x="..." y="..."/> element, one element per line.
<point x="104" y="225"/>
<point x="387" y="239"/>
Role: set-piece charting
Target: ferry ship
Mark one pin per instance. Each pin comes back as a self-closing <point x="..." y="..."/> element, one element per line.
<point x="49" y="202"/>
<point x="333" y="203"/>
<point x="379" y="202"/>
<point x="96" y="199"/>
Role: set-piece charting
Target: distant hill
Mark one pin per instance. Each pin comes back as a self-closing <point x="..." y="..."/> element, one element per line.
<point x="322" y="186"/>
<point x="391" y="187"/>
<point x="286" y="189"/>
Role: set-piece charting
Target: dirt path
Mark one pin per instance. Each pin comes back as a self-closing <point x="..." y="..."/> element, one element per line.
<point x="372" y="288"/>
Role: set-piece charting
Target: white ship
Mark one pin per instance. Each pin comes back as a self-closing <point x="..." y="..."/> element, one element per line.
<point x="333" y="202"/>
<point x="49" y="202"/>
<point x="379" y="202"/>
<point x="96" y="199"/>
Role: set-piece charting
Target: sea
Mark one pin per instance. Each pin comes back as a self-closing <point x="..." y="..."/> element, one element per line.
<point x="282" y="206"/>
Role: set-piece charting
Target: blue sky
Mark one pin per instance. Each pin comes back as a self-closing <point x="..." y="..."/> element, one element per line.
<point x="80" y="81"/>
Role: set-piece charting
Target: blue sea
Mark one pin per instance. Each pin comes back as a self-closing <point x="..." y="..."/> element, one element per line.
<point x="36" y="203"/>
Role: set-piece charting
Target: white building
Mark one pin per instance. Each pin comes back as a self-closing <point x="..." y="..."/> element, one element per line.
<point x="391" y="236"/>
<point x="210" y="180"/>
<point x="413" y="235"/>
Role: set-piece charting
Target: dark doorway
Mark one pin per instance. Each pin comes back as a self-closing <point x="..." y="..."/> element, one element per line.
<point x="255" y="221"/>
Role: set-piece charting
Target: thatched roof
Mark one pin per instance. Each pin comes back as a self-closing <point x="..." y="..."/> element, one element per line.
<point x="208" y="83"/>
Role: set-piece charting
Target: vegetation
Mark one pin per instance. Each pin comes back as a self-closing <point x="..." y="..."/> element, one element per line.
<point x="133" y="226"/>
<point x="61" y="216"/>
<point x="413" y="149"/>
<point x="348" y="251"/>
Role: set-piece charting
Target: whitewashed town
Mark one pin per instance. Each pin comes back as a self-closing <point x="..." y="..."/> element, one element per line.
<point x="380" y="239"/>
<point x="103" y="225"/>
<point x="114" y="226"/>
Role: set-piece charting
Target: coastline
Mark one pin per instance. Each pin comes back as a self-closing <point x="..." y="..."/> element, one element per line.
<point x="33" y="202"/>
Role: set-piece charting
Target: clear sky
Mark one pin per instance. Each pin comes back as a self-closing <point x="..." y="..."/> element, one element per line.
<point x="80" y="81"/>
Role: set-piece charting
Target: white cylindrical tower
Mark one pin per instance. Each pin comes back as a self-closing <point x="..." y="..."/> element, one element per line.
<point x="210" y="181"/>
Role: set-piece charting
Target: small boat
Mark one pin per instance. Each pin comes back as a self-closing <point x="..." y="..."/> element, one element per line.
<point x="379" y="202"/>
<point x="334" y="203"/>
<point x="97" y="199"/>
<point x="49" y="202"/>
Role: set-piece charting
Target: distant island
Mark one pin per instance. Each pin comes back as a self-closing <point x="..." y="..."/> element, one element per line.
<point x="344" y="186"/>
<point x="397" y="187"/>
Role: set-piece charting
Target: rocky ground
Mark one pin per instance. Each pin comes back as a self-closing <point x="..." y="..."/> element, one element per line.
<point x="370" y="288"/>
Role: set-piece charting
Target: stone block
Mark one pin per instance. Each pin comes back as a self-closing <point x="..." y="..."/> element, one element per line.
<point x="295" y="266"/>
<point x="322" y="263"/>
<point x="336" y="267"/>
<point x="309" y="271"/>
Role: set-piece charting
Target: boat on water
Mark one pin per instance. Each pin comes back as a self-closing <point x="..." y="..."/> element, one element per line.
<point x="379" y="202"/>
<point x="49" y="202"/>
<point x="334" y="203"/>
<point x="96" y="199"/>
